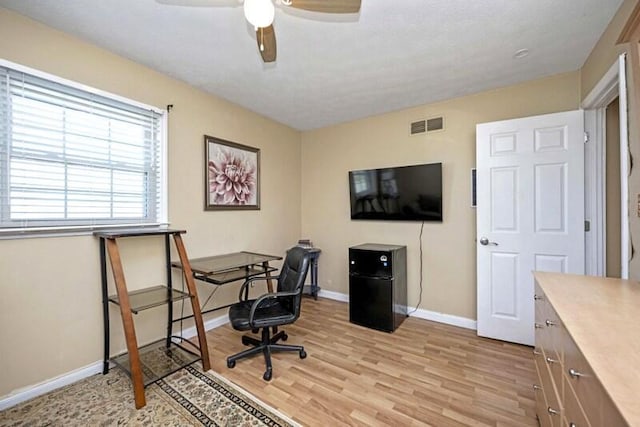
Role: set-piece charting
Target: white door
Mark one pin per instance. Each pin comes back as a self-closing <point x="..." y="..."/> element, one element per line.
<point x="530" y="215"/>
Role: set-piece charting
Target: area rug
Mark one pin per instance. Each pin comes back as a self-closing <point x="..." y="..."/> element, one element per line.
<point x="189" y="397"/>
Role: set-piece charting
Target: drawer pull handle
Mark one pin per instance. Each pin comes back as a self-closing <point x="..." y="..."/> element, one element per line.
<point x="536" y="387"/>
<point x="574" y="373"/>
<point x="538" y="326"/>
<point x="552" y="411"/>
<point x="550" y="360"/>
<point x="538" y="297"/>
<point x="550" y="323"/>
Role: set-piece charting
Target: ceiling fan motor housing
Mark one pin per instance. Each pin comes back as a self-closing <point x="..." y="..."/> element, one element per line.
<point x="259" y="13"/>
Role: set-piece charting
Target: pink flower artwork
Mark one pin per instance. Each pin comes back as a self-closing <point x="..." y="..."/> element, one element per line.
<point x="232" y="176"/>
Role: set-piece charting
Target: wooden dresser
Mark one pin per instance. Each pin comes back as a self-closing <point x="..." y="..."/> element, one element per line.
<point x="587" y="351"/>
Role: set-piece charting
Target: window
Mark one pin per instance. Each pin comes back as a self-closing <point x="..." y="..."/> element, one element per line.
<point x="75" y="157"/>
<point x="365" y="183"/>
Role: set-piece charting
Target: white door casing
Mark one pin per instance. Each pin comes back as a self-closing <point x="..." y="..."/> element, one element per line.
<point x="625" y="236"/>
<point x="530" y="215"/>
<point x="612" y="85"/>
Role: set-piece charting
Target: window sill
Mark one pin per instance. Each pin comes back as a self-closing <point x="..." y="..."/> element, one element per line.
<point x="45" y="232"/>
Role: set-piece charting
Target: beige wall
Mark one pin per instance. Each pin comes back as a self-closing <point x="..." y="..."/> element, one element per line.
<point x="604" y="54"/>
<point x="449" y="268"/>
<point x="50" y="310"/>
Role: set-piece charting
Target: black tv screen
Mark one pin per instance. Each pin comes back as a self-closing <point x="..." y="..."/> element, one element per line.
<point x="404" y="193"/>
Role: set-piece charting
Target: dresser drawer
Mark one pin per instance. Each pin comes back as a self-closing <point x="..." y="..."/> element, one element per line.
<point x="553" y="408"/>
<point x="538" y="294"/>
<point x="574" y="415"/>
<point x="581" y="379"/>
<point x="541" y="304"/>
<point x="582" y="382"/>
<point x="554" y="367"/>
<point x="556" y="332"/>
<point x="610" y="416"/>
<point x="543" y="333"/>
<point x="543" y="337"/>
<point x="549" y="331"/>
<point x="541" y="401"/>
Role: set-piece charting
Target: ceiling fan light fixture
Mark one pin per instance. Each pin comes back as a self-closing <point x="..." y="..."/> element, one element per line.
<point x="259" y="13"/>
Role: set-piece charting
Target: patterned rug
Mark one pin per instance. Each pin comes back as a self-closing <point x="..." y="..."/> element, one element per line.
<point x="188" y="397"/>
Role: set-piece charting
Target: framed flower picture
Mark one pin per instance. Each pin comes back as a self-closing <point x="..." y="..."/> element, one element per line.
<point x="232" y="175"/>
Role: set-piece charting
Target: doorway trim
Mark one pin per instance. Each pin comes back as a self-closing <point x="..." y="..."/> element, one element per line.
<point x="612" y="85"/>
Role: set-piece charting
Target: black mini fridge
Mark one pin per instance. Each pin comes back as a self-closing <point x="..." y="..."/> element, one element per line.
<point x="378" y="286"/>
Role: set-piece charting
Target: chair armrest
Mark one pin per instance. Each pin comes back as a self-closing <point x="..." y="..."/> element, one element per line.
<point x="244" y="288"/>
<point x="256" y="303"/>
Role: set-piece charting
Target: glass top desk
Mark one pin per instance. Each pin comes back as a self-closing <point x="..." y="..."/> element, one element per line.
<point x="227" y="268"/>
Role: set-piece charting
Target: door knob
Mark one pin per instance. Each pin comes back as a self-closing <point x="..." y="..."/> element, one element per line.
<point x="484" y="242"/>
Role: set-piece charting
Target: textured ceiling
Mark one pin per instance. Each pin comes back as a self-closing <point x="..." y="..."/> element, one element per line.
<point x="331" y="68"/>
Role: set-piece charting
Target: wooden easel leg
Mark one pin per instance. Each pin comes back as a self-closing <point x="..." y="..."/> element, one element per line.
<point x="127" y="323"/>
<point x="195" y="302"/>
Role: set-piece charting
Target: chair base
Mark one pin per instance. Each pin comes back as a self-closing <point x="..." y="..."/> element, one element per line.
<point x="266" y="346"/>
<point x="277" y="336"/>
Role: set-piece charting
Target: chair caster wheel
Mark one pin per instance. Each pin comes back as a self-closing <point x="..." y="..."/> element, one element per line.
<point x="284" y="337"/>
<point x="255" y="331"/>
<point x="231" y="364"/>
<point x="303" y="354"/>
<point x="267" y="375"/>
<point x="245" y="340"/>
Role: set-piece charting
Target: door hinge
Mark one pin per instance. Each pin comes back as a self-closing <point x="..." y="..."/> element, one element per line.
<point x="586" y="137"/>
<point x="587" y="226"/>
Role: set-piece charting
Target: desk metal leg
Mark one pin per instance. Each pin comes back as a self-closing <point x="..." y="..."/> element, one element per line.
<point x="314" y="277"/>
<point x="105" y="306"/>
<point x="167" y="256"/>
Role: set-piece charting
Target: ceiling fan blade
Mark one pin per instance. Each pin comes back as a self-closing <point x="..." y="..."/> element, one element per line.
<point x="199" y="3"/>
<point x="327" y="6"/>
<point x="266" y="38"/>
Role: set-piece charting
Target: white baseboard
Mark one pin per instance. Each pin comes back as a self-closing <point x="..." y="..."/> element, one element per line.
<point x="29" y="392"/>
<point x="447" y="319"/>
<point x="334" y="295"/>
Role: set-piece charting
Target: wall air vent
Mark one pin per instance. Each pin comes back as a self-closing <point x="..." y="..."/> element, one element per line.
<point x="427" y="125"/>
<point x="418" y="127"/>
<point x="434" y="124"/>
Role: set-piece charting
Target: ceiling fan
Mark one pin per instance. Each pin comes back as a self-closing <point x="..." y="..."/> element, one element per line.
<point x="260" y="14"/>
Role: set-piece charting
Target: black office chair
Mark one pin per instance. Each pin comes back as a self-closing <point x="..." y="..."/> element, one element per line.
<point x="271" y="310"/>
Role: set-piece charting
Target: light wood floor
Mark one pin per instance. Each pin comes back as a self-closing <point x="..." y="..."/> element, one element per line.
<point x="424" y="373"/>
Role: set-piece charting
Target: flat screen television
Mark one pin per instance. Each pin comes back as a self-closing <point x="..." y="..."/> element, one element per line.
<point x="403" y="193"/>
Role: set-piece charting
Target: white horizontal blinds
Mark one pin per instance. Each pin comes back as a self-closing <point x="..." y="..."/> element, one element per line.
<point x="71" y="157"/>
<point x="4" y="143"/>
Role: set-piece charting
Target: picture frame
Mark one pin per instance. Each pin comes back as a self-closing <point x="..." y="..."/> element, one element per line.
<point x="231" y="175"/>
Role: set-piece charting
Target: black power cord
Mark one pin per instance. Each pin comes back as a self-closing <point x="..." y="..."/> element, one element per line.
<point x="420" y="295"/>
